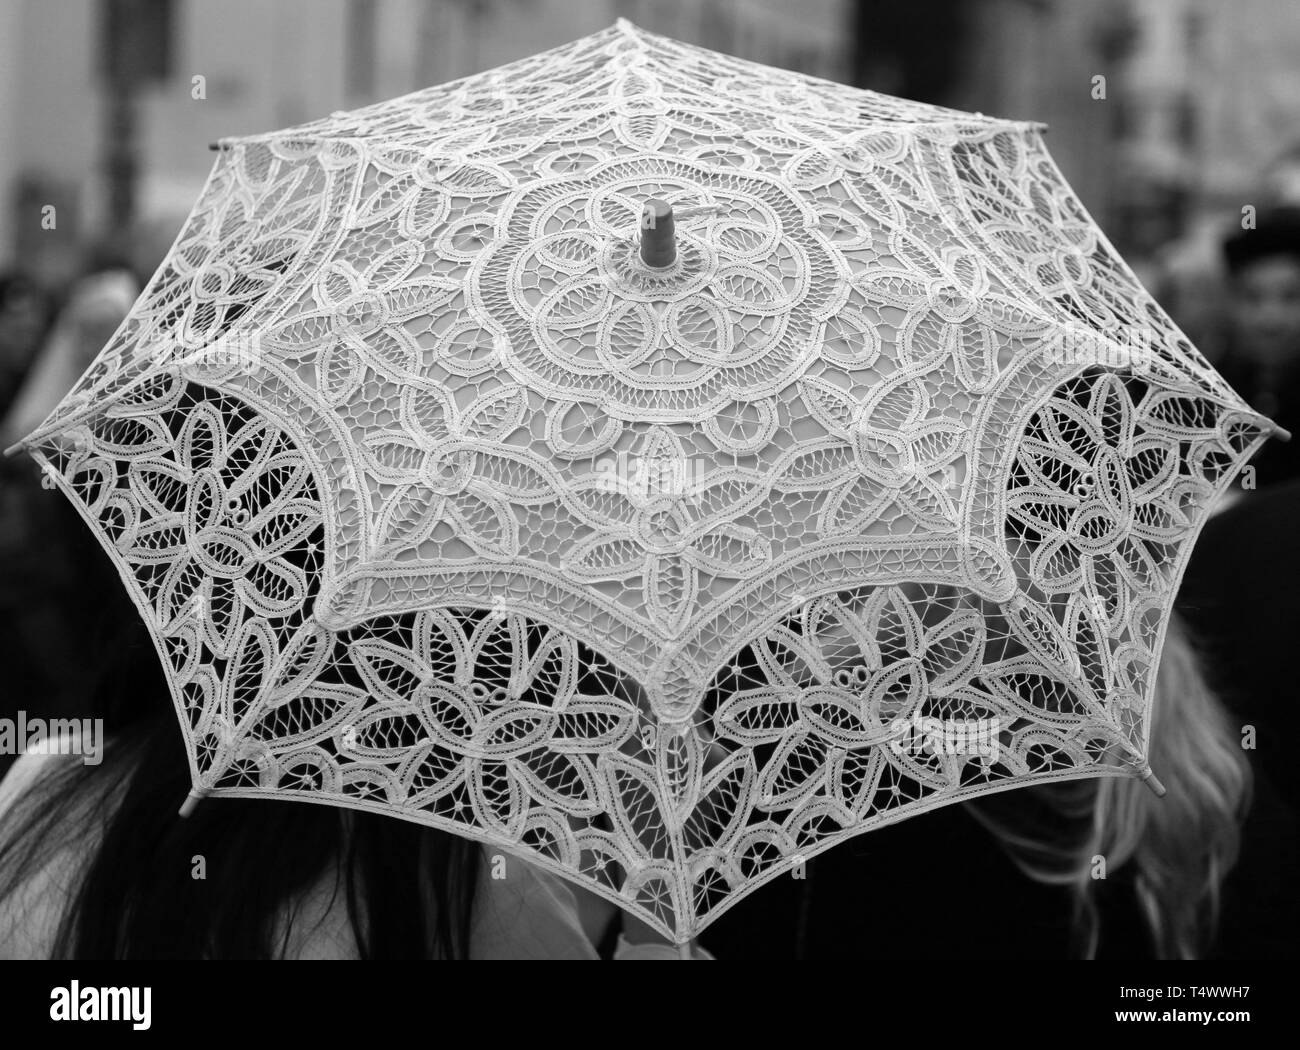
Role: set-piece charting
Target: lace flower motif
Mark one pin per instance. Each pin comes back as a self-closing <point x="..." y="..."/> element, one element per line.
<point x="232" y="257"/>
<point x="954" y="311"/>
<point x="452" y="466"/>
<point x="361" y="321"/>
<point x="1065" y="262"/>
<point x="221" y="515"/>
<point x="661" y="521"/>
<point x="1097" y="491"/>
<point x="488" y="724"/>
<point x="882" y="451"/>
<point x="845" y="682"/>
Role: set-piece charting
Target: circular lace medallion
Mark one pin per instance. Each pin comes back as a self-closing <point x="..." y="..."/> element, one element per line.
<point x="738" y="315"/>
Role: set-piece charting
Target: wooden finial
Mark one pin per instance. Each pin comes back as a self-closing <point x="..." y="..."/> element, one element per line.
<point x="658" y="239"/>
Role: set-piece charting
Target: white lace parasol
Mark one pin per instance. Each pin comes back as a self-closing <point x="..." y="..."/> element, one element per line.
<point x="867" y="493"/>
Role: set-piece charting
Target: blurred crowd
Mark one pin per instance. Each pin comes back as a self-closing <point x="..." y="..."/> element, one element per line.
<point x="61" y="604"/>
<point x="1235" y="290"/>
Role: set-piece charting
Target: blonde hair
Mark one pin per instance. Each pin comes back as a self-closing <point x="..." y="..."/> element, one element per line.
<point x="1178" y="848"/>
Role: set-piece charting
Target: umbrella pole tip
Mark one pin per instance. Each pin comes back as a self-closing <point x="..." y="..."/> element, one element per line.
<point x="191" y="800"/>
<point x="1153" y="782"/>
<point x="1282" y="434"/>
<point x="658" y="236"/>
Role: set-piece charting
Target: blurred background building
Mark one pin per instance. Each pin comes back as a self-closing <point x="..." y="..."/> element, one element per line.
<point x="98" y="114"/>
<point x="99" y="117"/>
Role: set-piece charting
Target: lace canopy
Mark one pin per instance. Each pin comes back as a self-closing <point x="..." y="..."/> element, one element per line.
<point x="440" y="501"/>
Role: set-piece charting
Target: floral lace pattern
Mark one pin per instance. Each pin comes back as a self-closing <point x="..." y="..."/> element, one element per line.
<point x="440" y="503"/>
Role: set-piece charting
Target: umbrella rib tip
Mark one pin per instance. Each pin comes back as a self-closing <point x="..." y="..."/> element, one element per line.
<point x="1152" y="781"/>
<point x="191" y="801"/>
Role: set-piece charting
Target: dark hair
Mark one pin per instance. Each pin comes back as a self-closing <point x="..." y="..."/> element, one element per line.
<point x="409" y="889"/>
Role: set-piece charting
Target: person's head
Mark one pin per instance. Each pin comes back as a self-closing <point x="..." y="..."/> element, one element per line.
<point x="408" y="889"/>
<point x="1280" y="179"/>
<point x="1264" y="283"/>
<point x="1177" y="849"/>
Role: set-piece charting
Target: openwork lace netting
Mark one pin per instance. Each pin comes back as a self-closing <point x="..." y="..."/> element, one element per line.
<point x="440" y="503"/>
